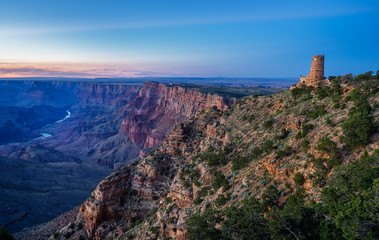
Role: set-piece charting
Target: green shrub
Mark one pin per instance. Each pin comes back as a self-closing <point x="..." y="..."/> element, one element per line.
<point x="329" y="147"/>
<point x="299" y="179"/>
<point x="305" y="146"/>
<point x="299" y="91"/>
<point x="270" y="196"/>
<point x="287" y="150"/>
<point x="220" y="181"/>
<point x="350" y="199"/>
<point x="284" y="133"/>
<point x="330" y="122"/>
<point x="255" y="153"/>
<point x="359" y="126"/>
<point x="305" y="129"/>
<point x="267" y="146"/>
<point x="213" y="159"/>
<point x="203" y="226"/>
<point x="268" y="123"/>
<point x="203" y="191"/>
<point x="322" y="92"/>
<point x="318" y="110"/>
<point x="221" y="200"/>
<point x="246" y="222"/>
<point x="321" y="170"/>
<point x="197" y="200"/>
<point x="239" y="162"/>
<point x="195" y="174"/>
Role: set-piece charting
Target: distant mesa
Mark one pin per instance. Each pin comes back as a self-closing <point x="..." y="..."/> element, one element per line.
<point x="316" y="75"/>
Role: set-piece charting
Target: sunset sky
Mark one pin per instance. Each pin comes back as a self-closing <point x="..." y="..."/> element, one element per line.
<point x="90" y="38"/>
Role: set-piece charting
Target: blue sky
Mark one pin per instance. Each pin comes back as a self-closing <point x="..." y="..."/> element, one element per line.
<point x="90" y="38"/>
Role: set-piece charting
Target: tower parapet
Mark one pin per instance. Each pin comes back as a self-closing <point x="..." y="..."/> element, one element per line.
<point x="316" y="75"/>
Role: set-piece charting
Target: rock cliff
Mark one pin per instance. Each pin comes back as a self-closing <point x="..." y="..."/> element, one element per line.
<point x="157" y="107"/>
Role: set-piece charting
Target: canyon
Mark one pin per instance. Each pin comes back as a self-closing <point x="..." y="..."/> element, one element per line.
<point x="110" y="126"/>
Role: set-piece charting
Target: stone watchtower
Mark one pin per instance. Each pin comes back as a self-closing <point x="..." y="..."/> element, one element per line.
<point x="316" y="75"/>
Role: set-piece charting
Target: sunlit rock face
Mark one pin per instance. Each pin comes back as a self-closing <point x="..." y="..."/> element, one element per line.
<point x="157" y="107"/>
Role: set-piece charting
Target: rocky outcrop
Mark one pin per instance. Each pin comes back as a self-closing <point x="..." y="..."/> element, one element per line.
<point x="157" y="107"/>
<point x="103" y="205"/>
<point x="128" y="194"/>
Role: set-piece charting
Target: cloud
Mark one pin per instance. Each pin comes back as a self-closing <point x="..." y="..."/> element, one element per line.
<point x="27" y="71"/>
<point x="77" y="71"/>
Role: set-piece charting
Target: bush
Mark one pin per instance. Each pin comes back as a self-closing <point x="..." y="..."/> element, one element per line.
<point x="204" y="226"/>
<point x="195" y="174"/>
<point x="255" y="153"/>
<point x="220" y="181"/>
<point x="268" y="124"/>
<point x="284" y="133"/>
<point x="350" y="199"/>
<point x="213" y="159"/>
<point x="322" y="92"/>
<point x="203" y="192"/>
<point x="246" y="222"/>
<point x="155" y="197"/>
<point x="267" y="146"/>
<point x="287" y="150"/>
<point x="297" y="92"/>
<point x="329" y="147"/>
<point x="299" y="179"/>
<point x="318" y="110"/>
<point x="320" y="173"/>
<point x="134" y="222"/>
<point x="305" y="146"/>
<point x="239" y="162"/>
<point x="197" y="200"/>
<point x="359" y="126"/>
<point x="270" y="196"/>
<point x="305" y="129"/>
<point x="221" y="200"/>
<point x="330" y="122"/>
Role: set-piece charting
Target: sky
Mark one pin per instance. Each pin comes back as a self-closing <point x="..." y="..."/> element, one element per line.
<point x="177" y="38"/>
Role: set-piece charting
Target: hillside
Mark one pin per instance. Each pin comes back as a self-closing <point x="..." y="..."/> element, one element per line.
<point x="300" y="164"/>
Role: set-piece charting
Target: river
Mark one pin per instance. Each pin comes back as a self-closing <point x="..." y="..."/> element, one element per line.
<point x="46" y="135"/>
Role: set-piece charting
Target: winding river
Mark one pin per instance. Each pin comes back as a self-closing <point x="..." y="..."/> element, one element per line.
<point x="46" y="135"/>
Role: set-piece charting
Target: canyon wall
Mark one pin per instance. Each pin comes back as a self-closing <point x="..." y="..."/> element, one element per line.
<point x="157" y="107"/>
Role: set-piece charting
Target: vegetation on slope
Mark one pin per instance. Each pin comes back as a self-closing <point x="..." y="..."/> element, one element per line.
<point x="347" y="207"/>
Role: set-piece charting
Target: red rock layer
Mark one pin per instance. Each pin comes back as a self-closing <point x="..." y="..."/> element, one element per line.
<point x="150" y="116"/>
